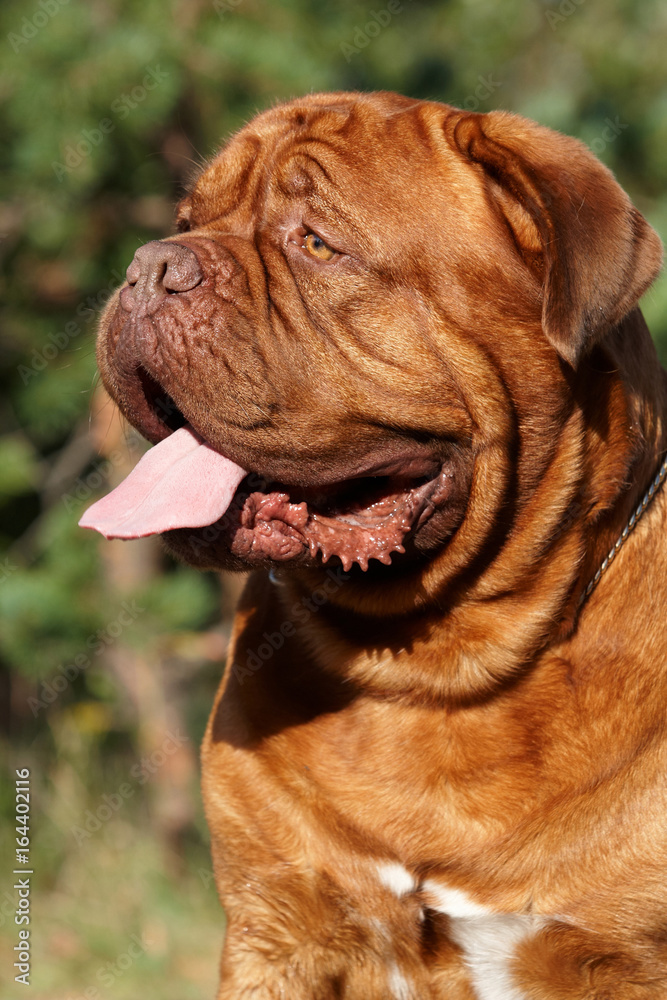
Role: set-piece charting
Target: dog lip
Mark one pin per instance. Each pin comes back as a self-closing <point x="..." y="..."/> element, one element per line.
<point x="161" y="402"/>
<point x="146" y="403"/>
<point x="408" y="465"/>
<point x="408" y="460"/>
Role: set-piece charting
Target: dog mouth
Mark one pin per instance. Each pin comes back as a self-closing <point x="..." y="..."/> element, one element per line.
<point x="358" y="520"/>
<point x="197" y="498"/>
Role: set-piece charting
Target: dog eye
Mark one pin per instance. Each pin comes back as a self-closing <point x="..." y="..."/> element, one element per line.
<point x="317" y="247"/>
<point x="183" y="225"/>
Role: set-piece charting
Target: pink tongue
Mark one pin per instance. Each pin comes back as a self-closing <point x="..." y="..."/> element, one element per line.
<point x="180" y="483"/>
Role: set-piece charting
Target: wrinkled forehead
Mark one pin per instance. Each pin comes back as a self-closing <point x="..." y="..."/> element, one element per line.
<point x="317" y="143"/>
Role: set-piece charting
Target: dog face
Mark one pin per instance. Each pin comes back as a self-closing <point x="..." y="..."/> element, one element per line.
<point x="376" y="311"/>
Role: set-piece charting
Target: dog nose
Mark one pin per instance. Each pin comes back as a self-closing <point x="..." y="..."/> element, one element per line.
<point x="160" y="269"/>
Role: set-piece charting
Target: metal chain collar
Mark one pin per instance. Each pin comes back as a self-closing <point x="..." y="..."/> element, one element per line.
<point x="613" y="552"/>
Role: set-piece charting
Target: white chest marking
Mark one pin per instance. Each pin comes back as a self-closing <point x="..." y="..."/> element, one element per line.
<point x="396" y="878"/>
<point x="488" y="940"/>
<point x="398" y="984"/>
<point x="455" y="903"/>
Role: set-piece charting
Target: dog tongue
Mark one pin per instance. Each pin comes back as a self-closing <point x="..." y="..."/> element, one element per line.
<point x="180" y="483"/>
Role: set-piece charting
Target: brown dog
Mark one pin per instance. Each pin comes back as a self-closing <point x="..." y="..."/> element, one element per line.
<point x="422" y="403"/>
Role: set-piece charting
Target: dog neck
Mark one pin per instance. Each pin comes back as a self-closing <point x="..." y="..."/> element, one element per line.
<point x="626" y="442"/>
<point x="635" y="517"/>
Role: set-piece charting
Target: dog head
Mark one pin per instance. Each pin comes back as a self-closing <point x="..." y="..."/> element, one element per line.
<point x="366" y="335"/>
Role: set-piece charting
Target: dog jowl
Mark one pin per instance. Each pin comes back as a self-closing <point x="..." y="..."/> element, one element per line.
<point x="393" y="364"/>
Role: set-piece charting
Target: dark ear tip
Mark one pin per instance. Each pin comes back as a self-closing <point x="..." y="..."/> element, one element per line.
<point x="564" y="346"/>
<point x="566" y="337"/>
<point x="653" y="248"/>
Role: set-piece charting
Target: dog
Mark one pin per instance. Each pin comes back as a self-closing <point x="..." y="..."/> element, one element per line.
<point x="393" y="364"/>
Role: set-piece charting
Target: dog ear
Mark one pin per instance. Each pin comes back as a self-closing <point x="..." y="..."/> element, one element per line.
<point x="571" y="221"/>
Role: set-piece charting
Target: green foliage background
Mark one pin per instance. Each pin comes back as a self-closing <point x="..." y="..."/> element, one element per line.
<point x="93" y="159"/>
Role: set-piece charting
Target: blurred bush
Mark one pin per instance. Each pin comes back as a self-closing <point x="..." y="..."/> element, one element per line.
<point x="107" y="107"/>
